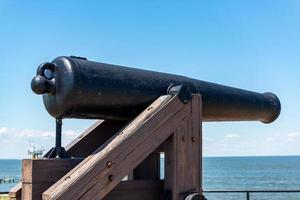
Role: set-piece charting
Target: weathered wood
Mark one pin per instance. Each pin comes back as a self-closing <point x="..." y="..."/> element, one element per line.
<point x="34" y="191"/>
<point x="183" y="166"/>
<point x="46" y="170"/>
<point x="16" y="192"/>
<point x="99" y="174"/>
<point x="91" y="139"/>
<point x="137" y="190"/>
<point x="39" y="174"/>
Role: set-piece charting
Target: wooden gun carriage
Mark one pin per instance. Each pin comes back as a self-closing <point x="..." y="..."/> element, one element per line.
<point x="145" y="114"/>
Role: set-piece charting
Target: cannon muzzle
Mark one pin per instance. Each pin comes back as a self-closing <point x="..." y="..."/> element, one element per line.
<point x="73" y="87"/>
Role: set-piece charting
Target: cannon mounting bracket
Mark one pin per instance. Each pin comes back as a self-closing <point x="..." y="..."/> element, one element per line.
<point x="58" y="151"/>
<point x="183" y="92"/>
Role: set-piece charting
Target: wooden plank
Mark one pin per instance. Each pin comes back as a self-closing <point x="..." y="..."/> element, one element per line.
<point x="197" y="141"/>
<point x="46" y="170"/>
<point x="16" y="192"/>
<point x="91" y="139"/>
<point x="34" y="191"/>
<point x="98" y="175"/>
<point x="183" y="154"/>
<point x="39" y="174"/>
<point x="134" y="190"/>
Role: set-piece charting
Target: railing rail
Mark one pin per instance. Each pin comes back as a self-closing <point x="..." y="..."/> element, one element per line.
<point x="248" y="192"/>
<point x="3" y="192"/>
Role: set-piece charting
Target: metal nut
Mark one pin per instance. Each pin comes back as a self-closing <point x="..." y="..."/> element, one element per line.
<point x="111" y="177"/>
<point x="109" y="164"/>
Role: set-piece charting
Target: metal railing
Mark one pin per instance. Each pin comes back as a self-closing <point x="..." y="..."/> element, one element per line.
<point x="248" y="192"/>
<point x="3" y="192"/>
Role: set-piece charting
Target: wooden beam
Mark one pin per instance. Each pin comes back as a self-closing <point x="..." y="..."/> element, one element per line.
<point x="91" y="139"/>
<point x="183" y="155"/>
<point x="15" y="192"/>
<point x="97" y="175"/>
<point x="39" y="174"/>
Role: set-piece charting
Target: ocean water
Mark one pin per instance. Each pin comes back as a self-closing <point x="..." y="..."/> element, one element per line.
<point x="224" y="173"/>
<point x="229" y="173"/>
<point x="9" y="169"/>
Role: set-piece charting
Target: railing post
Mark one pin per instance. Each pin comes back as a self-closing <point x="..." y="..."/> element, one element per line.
<point x="248" y="195"/>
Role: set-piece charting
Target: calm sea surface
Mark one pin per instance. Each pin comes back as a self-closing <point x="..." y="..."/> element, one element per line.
<point x="9" y="169"/>
<point x="252" y="173"/>
<point x="224" y="173"/>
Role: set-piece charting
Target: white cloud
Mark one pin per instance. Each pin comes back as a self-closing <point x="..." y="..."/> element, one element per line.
<point x="232" y="136"/>
<point x="208" y="139"/>
<point x="3" y="130"/>
<point x="30" y="133"/>
<point x="272" y="139"/>
<point x="70" y="133"/>
<point x="19" y="140"/>
<point x="293" y="136"/>
<point x="17" y="134"/>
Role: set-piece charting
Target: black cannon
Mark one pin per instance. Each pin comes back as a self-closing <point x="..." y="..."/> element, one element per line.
<point x="74" y="87"/>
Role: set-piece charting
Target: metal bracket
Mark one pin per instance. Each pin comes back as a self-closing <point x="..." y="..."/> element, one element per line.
<point x="183" y="92"/>
<point x="58" y="151"/>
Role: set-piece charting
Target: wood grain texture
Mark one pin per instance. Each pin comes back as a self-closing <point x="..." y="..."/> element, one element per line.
<point x="93" y="179"/>
<point x="34" y="191"/>
<point x="91" y="139"/>
<point x="183" y="154"/>
<point x="16" y="192"/>
<point x="39" y="174"/>
<point x="46" y="170"/>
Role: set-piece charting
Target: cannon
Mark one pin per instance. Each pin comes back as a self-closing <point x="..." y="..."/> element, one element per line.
<point x="74" y="87"/>
<point x="145" y="113"/>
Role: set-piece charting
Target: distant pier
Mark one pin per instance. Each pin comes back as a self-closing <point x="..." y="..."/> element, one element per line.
<point x="7" y="180"/>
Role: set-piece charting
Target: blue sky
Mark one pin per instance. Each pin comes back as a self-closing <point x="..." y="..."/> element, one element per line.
<point x="248" y="44"/>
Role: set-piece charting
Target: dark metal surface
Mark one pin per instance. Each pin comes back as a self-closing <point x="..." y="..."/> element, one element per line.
<point x="78" y="88"/>
<point x="58" y="151"/>
<point x="58" y="132"/>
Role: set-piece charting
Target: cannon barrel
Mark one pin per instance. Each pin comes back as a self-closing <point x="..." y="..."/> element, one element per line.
<point x="73" y="87"/>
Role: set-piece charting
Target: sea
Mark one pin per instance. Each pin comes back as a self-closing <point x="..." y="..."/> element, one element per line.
<point x="224" y="173"/>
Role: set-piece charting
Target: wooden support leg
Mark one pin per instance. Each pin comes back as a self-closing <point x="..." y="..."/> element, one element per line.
<point x="38" y="175"/>
<point x="183" y="156"/>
